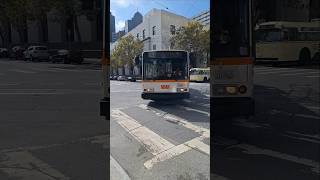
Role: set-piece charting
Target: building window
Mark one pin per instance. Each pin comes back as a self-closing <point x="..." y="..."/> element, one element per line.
<point x="153" y="30"/>
<point x="144" y="34"/>
<point x="154" y="47"/>
<point x="138" y="36"/>
<point x="173" y="29"/>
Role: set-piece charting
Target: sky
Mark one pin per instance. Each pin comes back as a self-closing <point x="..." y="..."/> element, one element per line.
<point x="125" y="9"/>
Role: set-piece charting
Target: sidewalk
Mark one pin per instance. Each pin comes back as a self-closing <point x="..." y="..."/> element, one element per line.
<point x="116" y="171"/>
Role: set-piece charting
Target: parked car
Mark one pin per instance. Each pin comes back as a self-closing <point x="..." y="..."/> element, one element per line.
<point x="115" y="77"/>
<point x="4" y="53"/>
<point x="17" y="52"/>
<point x="122" y="78"/>
<point x="67" y="57"/>
<point x="132" y="79"/>
<point x="38" y="53"/>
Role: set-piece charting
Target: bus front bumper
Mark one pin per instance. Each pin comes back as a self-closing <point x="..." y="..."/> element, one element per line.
<point x="156" y="96"/>
<point x="237" y="106"/>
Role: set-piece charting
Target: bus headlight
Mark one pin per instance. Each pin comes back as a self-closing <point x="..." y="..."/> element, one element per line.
<point x="148" y="90"/>
<point x="182" y="89"/>
<point x="231" y="90"/>
<point x="242" y="89"/>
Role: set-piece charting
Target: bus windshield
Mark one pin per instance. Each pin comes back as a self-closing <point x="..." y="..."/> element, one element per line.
<point x="268" y="35"/>
<point x="165" y="67"/>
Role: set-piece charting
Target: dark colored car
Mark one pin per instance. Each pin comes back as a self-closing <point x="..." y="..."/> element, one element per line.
<point x="17" y="52"/>
<point x="67" y="57"/>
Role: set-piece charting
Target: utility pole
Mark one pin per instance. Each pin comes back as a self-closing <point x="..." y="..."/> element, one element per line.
<point x="105" y="62"/>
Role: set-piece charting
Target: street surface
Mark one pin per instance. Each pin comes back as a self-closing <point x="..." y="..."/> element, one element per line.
<point x="50" y="126"/>
<point x="165" y="140"/>
<point x="282" y="141"/>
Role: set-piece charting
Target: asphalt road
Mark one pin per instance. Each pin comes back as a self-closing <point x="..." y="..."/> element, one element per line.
<point x="50" y="126"/>
<point x="282" y="141"/>
<point x="164" y="140"/>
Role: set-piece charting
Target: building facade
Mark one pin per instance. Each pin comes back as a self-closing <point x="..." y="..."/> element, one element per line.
<point x="203" y="18"/>
<point x="112" y="28"/>
<point x="157" y="28"/>
<point x="134" y="22"/>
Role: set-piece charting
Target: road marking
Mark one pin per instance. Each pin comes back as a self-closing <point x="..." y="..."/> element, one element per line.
<point x="250" y="149"/>
<point x="304" y="73"/>
<point x="158" y="146"/>
<point x="22" y="71"/>
<point x="282" y="71"/>
<point x="195" y="110"/>
<point x="23" y="165"/>
<point x="218" y="177"/>
<point x="313" y="76"/>
<point x="152" y="141"/>
<point x="100" y="139"/>
<point x="180" y="121"/>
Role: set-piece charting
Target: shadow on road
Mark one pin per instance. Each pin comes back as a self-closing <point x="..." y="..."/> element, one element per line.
<point x="194" y="109"/>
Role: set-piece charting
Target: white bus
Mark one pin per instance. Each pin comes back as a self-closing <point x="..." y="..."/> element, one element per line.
<point x="288" y="41"/>
<point x="232" y="65"/>
<point x="200" y="74"/>
<point x="165" y="74"/>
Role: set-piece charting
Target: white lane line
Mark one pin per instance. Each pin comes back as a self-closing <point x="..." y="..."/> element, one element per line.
<point x="303" y="73"/>
<point x="195" y="110"/>
<point x="308" y="116"/>
<point x="314" y="136"/>
<point x="22" y="71"/>
<point x="43" y="69"/>
<point x="100" y="139"/>
<point x="282" y="71"/>
<point x="304" y="139"/>
<point x="313" y="76"/>
<point x="23" y="165"/>
<point x="249" y="149"/>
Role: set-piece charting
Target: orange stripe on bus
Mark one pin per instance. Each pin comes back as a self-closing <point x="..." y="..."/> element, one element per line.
<point x="104" y="59"/>
<point x="165" y="81"/>
<point x="232" y="61"/>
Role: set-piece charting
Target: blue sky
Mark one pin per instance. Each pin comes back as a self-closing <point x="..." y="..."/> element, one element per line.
<point x="124" y="9"/>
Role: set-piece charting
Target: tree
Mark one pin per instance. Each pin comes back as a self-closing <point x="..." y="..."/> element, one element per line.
<point x="193" y="38"/>
<point x="17" y="13"/>
<point x="38" y="10"/>
<point x="125" y="51"/>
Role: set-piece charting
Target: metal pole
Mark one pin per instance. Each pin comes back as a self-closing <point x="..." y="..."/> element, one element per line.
<point x="105" y="62"/>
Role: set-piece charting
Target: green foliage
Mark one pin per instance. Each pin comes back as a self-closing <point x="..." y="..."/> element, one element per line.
<point x="125" y="51"/>
<point x="193" y="38"/>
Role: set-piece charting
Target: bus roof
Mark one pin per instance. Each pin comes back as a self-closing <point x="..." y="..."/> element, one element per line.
<point x="281" y="24"/>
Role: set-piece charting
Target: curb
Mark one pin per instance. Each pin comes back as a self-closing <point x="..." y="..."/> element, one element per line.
<point x="116" y="171"/>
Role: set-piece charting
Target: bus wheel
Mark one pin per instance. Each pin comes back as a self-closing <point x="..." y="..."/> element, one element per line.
<point x="304" y="56"/>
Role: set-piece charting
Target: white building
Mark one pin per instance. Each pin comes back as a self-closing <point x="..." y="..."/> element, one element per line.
<point x="203" y="18"/>
<point x="157" y="28"/>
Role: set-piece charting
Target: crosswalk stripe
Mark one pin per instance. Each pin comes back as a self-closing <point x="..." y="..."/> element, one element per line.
<point x="153" y="142"/>
<point x="158" y="146"/>
<point x="23" y="165"/>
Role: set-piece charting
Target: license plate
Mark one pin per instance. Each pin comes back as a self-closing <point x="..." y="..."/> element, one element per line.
<point x="223" y="75"/>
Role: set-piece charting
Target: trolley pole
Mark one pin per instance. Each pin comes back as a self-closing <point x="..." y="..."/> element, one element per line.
<point x="105" y="62"/>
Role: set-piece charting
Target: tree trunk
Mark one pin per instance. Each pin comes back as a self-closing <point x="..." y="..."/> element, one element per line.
<point x="44" y="29"/>
<point x="77" y="29"/>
